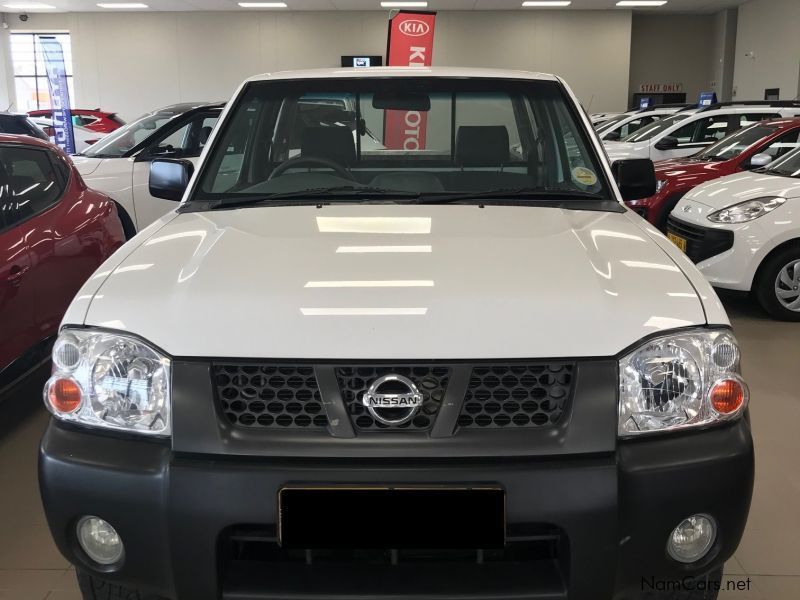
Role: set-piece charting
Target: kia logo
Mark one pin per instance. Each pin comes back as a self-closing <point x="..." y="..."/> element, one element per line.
<point x="414" y="28"/>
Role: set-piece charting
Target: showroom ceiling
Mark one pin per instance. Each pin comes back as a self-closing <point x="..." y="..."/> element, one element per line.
<point x="694" y="6"/>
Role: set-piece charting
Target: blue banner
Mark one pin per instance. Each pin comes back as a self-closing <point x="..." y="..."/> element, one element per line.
<point x="59" y="93"/>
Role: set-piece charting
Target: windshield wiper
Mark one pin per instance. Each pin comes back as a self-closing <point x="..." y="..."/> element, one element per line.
<point x="341" y="192"/>
<point x="547" y="194"/>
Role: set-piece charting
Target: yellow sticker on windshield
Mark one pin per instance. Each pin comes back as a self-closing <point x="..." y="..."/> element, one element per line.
<point x="584" y="176"/>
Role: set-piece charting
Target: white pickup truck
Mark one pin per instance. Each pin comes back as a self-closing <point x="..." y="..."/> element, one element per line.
<point x="439" y="360"/>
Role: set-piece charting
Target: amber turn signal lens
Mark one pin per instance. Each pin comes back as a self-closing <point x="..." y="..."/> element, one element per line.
<point x="64" y="395"/>
<point x="727" y="396"/>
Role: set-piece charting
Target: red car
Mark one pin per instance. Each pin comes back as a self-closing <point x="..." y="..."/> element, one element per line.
<point x="54" y="233"/>
<point x="96" y="120"/>
<point x="731" y="154"/>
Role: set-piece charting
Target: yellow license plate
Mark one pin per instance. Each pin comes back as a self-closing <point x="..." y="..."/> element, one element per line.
<point x="677" y="240"/>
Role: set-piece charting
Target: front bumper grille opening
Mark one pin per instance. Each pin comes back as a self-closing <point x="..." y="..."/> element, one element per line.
<point x="523" y="395"/>
<point x="701" y="242"/>
<point x="355" y="380"/>
<point x="269" y="395"/>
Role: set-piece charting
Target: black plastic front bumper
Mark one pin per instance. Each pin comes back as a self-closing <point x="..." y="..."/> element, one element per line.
<point x="613" y="513"/>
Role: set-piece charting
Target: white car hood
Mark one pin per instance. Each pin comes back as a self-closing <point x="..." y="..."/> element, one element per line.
<point x="446" y="282"/>
<point x="625" y="150"/>
<point x="86" y="165"/>
<point x="741" y="187"/>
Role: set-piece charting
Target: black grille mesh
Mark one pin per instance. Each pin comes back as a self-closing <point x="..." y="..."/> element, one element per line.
<point x="354" y="381"/>
<point x="522" y="395"/>
<point x="270" y="395"/>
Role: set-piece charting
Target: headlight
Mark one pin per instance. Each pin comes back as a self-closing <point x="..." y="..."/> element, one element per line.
<point x="660" y="184"/>
<point x="687" y="379"/>
<point x="109" y="380"/>
<point x="746" y="211"/>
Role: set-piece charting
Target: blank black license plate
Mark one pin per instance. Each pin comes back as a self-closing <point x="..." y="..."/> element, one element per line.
<point x="392" y="518"/>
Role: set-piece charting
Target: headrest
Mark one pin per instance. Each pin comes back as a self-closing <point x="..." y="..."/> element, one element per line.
<point x="334" y="143"/>
<point x="205" y="132"/>
<point x="482" y="146"/>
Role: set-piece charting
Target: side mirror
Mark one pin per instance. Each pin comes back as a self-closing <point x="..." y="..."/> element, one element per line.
<point x="668" y="142"/>
<point x="169" y="178"/>
<point x="759" y="160"/>
<point x="635" y="177"/>
<point x="612" y="136"/>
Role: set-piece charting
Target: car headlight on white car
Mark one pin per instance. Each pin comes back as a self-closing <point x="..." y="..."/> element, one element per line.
<point x="109" y="380"/>
<point x="681" y="380"/>
<point x="746" y="211"/>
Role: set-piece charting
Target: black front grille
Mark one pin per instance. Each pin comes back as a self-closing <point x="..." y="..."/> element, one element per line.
<point x="522" y="395"/>
<point x="354" y="381"/>
<point x="701" y="242"/>
<point x="269" y="395"/>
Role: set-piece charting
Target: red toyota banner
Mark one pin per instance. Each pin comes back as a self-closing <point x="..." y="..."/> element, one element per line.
<point x="410" y="45"/>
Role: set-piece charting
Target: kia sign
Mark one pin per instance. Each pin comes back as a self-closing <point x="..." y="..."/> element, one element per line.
<point x="410" y="45"/>
<point x="59" y="93"/>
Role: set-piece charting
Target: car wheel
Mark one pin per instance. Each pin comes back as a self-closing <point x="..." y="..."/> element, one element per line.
<point x="93" y="588"/>
<point x="702" y="588"/>
<point x="778" y="285"/>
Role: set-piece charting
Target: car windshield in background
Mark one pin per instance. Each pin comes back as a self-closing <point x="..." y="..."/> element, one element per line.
<point x="736" y="143"/>
<point x="788" y="166"/>
<point x="651" y="131"/>
<point x="413" y="137"/>
<point x="119" y="142"/>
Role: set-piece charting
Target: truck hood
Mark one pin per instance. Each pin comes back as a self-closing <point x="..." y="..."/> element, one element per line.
<point x="625" y="150"/>
<point x="392" y="281"/>
<point x="741" y="187"/>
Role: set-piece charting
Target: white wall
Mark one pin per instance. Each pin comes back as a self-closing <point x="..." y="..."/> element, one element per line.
<point x="134" y="62"/>
<point x="770" y="29"/>
<point x="673" y="49"/>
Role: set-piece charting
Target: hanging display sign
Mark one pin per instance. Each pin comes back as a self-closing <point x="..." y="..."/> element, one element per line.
<point x="661" y="88"/>
<point x="410" y="45"/>
<point x="54" y="64"/>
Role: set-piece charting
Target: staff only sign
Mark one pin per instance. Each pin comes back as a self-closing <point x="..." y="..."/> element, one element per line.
<point x="410" y="45"/>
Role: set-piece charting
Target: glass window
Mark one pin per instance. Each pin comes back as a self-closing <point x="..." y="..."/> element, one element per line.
<point x="750" y="118"/>
<point x="409" y="136"/>
<point x="83" y="120"/>
<point x="711" y="129"/>
<point x="736" y="143"/>
<point x="120" y="141"/>
<point x="782" y="144"/>
<point x="788" y="165"/>
<point x="30" y="75"/>
<point x="657" y="127"/>
<point x="29" y="183"/>
<point x="187" y="141"/>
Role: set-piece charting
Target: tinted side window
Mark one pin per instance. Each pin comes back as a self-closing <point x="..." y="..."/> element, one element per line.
<point x="188" y="140"/>
<point x="712" y="129"/>
<point x="29" y="183"/>
<point x="750" y="118"/>
<point x="635" y="125"/>
<point x="781" y="145"/>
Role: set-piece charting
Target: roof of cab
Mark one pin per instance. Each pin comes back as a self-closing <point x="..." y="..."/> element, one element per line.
<point x="362" y="73"/>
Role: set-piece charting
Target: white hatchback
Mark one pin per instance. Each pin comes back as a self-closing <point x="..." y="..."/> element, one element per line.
<point x="743" y="231"/>
<point x="689" y="131"/>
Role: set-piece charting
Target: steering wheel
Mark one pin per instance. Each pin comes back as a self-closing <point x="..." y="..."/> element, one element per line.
<point x="308" y="161"/>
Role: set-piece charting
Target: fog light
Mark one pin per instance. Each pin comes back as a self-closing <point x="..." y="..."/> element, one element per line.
<point x="692" y="539"/>
<point x="99" y="540"/>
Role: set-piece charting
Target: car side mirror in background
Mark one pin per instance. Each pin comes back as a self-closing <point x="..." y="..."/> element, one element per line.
<point x="612" y="136"/>
<point x="668" y="142"/>
<point x="636" y="178"/>
<point x="759" y="160"/>
<point x="169" y="178"/>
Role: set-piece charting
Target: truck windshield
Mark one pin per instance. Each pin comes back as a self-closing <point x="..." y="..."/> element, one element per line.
<point x="401" y="136"/>
<point x="119" y="142"/>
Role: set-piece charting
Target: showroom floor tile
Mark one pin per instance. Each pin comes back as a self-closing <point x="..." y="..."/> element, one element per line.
<point x="769" y="556"/>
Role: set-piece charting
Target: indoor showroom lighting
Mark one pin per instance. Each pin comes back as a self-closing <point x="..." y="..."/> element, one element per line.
<point x="404" y="4"/>
<point x="546" y="3"/>
<point x="263" y="5"/>
<point x="641" y="2"/>
<point x="123" y="5"/>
